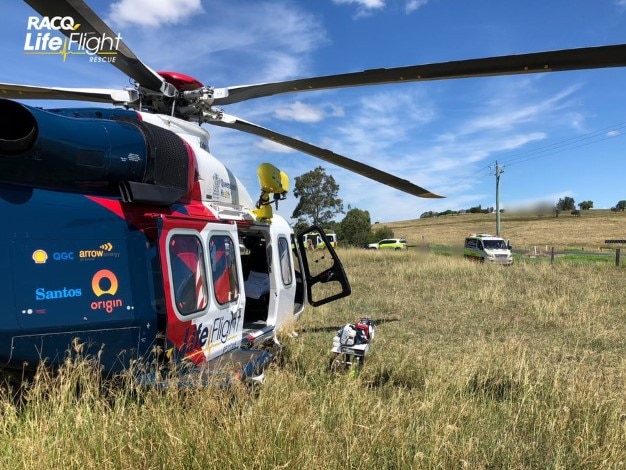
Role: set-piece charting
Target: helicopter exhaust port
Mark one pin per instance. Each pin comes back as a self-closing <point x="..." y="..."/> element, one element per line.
<point x="98" y="152"/>
<point x="18" y="128"/>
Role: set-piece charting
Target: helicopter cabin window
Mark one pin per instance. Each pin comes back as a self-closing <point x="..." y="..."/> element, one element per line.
<point x="224" y="269"/>
<point x="285" y="261"/>
<point x="188" y="273"/>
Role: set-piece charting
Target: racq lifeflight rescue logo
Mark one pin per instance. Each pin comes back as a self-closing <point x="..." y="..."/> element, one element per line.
<point x="61" y="35"/>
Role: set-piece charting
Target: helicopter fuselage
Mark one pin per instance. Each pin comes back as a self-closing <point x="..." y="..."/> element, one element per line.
<point x="121" y="279"/>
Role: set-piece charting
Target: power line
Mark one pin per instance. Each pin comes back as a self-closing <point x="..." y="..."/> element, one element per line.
<point x="547" y="150"/>
<point x="565" y="145"/>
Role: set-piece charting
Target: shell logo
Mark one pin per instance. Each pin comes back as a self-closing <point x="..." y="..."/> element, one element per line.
<point x="98" y="277"/>
<point x="40" y="256"/>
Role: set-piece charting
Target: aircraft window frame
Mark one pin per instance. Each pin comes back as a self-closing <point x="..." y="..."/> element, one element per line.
<point x="286" y="271"/>
<point x="234" y="288"/>
<point x="181" y="275"/>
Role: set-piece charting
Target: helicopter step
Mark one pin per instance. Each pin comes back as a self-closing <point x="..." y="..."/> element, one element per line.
<point x="257" y="333"/>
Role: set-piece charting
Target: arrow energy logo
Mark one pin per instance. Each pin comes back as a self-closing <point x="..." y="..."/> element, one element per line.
<point x="44" y="36"/>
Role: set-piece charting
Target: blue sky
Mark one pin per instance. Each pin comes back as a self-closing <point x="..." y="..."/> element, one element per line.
<point x="556" y="134"/>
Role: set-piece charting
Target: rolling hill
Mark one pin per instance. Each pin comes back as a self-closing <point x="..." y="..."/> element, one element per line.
<point x="589" y="231"/>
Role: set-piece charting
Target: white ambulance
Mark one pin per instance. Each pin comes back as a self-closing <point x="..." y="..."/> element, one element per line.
<point x="485" y="247"/>
<point x="314" y="241"/>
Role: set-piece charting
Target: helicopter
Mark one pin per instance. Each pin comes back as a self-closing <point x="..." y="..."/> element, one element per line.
<point x="129" y="240"/>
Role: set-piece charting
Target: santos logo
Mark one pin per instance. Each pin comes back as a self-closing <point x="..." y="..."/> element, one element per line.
<point x="104" y="282"/>
<point x="53" y="294"/>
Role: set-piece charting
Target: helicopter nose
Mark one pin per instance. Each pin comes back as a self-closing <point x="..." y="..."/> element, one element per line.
<point x="18" y="128"/>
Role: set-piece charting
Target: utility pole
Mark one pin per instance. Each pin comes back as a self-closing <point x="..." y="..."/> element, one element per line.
<point x="498" y="171"/>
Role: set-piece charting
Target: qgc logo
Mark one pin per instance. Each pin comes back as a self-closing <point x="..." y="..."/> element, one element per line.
<point x="41" y="256"/>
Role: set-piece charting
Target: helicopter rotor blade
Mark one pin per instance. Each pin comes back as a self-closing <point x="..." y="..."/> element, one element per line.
<point x="90" y="25"/>
<point x="101" y="95"/>
<point x="537" y="62"/>
<point x="232" y="122"/>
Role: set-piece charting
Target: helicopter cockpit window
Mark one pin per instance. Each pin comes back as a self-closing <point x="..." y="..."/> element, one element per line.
<point x="188" y="273"/>
<point x="224" y="268"/>
<point x="285" y="261"/>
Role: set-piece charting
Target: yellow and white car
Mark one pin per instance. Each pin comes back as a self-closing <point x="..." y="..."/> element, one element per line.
<point x="388" y="244"/>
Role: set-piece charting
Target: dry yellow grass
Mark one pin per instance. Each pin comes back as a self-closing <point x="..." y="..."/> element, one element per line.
<point x="589" y="231"/>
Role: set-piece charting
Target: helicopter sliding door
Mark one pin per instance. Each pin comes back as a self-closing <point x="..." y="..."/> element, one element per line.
<point x="282" y="305"/>
<point x="202" y="284"/>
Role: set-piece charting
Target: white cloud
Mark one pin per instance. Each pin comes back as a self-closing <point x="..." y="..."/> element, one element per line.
<point x="413" y="5"/>
<point x="380" y="123"/>
<point x="300" y="112"/>
<point x="251" y="43"/>
<point x="336" y="111"/>
<point x="515" y="114"/>
<point x="613" y="133"/>
<point x="577" y="121"/>
<point x="364" y="7"/>
<point x="279" y="65"/>
<point x="271" y="146"/>
<point x="367" y="7"/>
<point x="366" y="4"/>
<point x="153" y="13"/>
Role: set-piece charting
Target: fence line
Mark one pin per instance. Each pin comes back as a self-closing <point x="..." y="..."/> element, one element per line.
<point x="554" y="253"/>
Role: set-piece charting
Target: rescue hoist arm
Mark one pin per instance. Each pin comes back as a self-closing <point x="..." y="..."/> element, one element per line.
<point x="274" y="183"/>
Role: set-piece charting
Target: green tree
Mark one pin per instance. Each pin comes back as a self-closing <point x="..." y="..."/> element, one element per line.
<point x="356" y="227"/>
<point x="621" y="205"/>
<point x="585" y="205"/>
<point x="566" y="204"/>
<point x="300" y="226"/>
<point x="381" y="233"/>
<point x="317" y="194"/>
<point x="332" y="226"/>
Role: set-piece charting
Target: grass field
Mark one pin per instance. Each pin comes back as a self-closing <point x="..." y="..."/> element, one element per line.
<point x="473" y="366"/>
